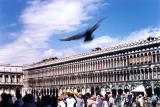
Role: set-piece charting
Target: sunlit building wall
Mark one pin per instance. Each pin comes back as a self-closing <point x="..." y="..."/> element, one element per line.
<point x="115" y="70"/>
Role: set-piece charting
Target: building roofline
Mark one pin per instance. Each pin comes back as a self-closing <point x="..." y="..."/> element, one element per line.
<point x="149" y="40"/>
<point x="8" y="65"/>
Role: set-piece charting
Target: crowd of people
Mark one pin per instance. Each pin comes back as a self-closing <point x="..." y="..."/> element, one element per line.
<point x="77" y="100"/>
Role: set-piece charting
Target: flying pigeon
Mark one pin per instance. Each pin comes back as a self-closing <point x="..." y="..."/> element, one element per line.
<point x="87" y="35"/>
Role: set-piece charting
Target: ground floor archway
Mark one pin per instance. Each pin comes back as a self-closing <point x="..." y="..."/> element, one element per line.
<point x="120" y="91"/>
<point x="149" y="91"/>
<point x="157" y="90"/>
<point x="114" y="92"/>
<point x="92" y="90"/>
<point x="98" y="91"/>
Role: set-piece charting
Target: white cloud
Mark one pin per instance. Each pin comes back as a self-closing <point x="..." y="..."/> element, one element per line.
<point x="69" y="52"/>
<point x="41" y="20"/>
<point x="44" y="18"/>
<point x="58" y="53"/>
<point x="51" y="53"/>
<point x="106" y="41"/>
<point x="103" y="41"/>
<point x="142" y="34"/>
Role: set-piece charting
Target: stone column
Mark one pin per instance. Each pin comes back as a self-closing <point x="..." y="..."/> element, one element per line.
<point x="105" y="77"/>
<point x="123" y="61"/>
<point x="108" y="77"/>
<point x="15" y="78"/>
<point x="105" y="63"/>
<point x="152" y="84"/>
<point x="80" y="67"/>
<point x="9" y="78"/>
<point x="102" y="64"/>
<point x="140" y="74"/>
<point x="152" y="73"/>
<point x="88" y="78"/>
<point x="97" y="78"/>
<point x="156" y="73"/>
<point x="113" y="76"/>
<point x="3" y="78"/>
<point x="122" y="76"/>
<point x="116" y="76"/>
<point x="119" y="73"/>
<point x="84" y="66"/>
<point x="129" y="73"/>
<point x="94" y="78"/>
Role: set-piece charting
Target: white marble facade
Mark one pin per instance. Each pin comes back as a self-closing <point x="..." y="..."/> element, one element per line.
<point x="11" y="79"/>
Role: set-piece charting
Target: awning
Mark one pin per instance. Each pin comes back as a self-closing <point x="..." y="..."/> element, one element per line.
<point x="140" y="88"/>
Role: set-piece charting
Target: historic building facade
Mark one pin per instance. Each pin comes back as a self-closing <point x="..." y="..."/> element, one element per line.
<point x="116" y="69"/>
<point x="11" y="79"/>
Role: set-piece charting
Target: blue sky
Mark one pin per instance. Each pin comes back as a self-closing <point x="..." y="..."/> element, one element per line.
<point x="30" y="29"/>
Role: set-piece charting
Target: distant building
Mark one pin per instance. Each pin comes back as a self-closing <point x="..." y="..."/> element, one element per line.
<point x="10" y="79"/>
<point x="114" y="70"/>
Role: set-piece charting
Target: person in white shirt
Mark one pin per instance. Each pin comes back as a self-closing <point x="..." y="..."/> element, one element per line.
<point x="70" y="100"/>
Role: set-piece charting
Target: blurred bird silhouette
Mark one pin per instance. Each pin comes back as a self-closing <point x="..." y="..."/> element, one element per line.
<point x="87" y="35"/>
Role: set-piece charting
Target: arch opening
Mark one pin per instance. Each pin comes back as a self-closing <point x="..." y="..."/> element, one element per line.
<point x="126" y="90"/>
<point x="149" y="91"/>
<point x="47" y="91"/>
<point x="97" y="91"/>
<point x="157" y="91"/>
<point x="120" y="91"/>
<point x="50" y="91"/>
<point x="114" y="91"/>
<point x="78" y="90"/>
<point x="92" y="90"/>
<point x="42" y="92"/>
<point x="54" y="91"/>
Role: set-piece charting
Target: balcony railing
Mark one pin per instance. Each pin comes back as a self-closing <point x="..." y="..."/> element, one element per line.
<point x="9" y="83"/>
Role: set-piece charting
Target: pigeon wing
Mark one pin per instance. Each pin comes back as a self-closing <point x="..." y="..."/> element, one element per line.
<point x="96" y="25"/>
<point x="74" y="37"/>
